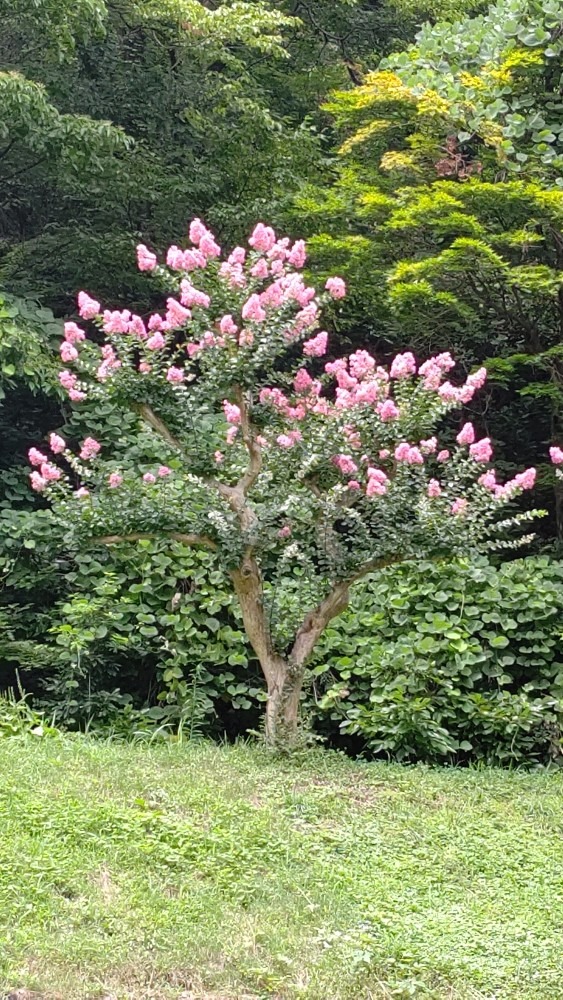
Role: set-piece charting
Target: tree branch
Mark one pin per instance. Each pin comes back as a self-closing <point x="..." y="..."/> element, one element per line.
<point x="150" y="417"/>
<point x="175" y="536"/>
<point x="330" y="607"/>
<point x="254" y="453"/>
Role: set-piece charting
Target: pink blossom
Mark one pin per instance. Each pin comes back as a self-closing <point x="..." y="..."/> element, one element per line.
<point x="68" y="352"/>
<point x="67" y="379"/>
<point x="163" y="471"/>
<point x="149" y="478"/>
<point x="146" y="261"/>
<point x="272" y="296"/>
<point x="415" y="457"/>
<point x="197" y="231"/>
<point x="459" y="506"/>
<point x="336" y="288"/>
<point x="232" y="412"/>
<point x="388" y="411"/>
<point x="174" y="375"/>
<point x="88" y="308"/>
<point x="376" y="486"/>
<point x="285" y="441"/>
<point x="481" y="451"/>
<point x="219" y="457"/>
<point x="466" y="434"/>
<point x="302" y="381"/>
<point x="194" y="348"/>
<point x="402" y="451"/>
<point x="175" y="258"/>
<point x="208" y="246"/>
<point x="227" y="325"/>
<point x="115" y="480"/>
<point x="57" y="444"/>
<point x="477" y="379"/>
<point x="90" y="447"/>
<point x="246" y="338"/>
<point x="37" y="482"/>
<point x="231" y="434"/>
<point x="176" y="315"/>
<point x="403" y="366"/>
<point x="263" y="237"/>
<point x="316" y="346"/>
<point x="260" y="269"/>
<point x="526" y="480"/>
<point x="488" y="480"/>
<point x="253" y="310"/>
<point x="361" y="364"/>
<point x="116" y="322"/>
<point x="50" y="472"/>
<point x="353" y="484"/>
<point x="138" y="328"/>
<point x="193" y="259"/>
<point x="556" y="455"/>
<point x="443" y="455"/>
<point x="297" y="255"/>
<point x="449" y="393"/>
<point x="284" y="532"/>
<point x="156" y="342"/>
<point x="346" y="464"/>
<point x="279" y="251"/>
<point x="429" y="446"/>
<point x="305" y="318"/>
<point x="156" y="322"/>
<point x="76" y="396"/>
<point x="434" y="488"/>
<point x="81" y="493"/>
<point x="237" y="256"/>
<point x="384" y="453"/>
<point x="36" y="457"/>
<point x="73" y="333"/>
<point x="144" y="367"/>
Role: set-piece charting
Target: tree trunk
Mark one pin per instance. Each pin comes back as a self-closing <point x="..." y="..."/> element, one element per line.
<point x="285" y="683"/>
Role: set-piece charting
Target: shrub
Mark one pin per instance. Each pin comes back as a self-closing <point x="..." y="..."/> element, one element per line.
<point x="451" y="662"/>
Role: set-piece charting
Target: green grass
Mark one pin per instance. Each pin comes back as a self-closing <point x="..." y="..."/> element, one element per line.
<point x="149" y="873"/>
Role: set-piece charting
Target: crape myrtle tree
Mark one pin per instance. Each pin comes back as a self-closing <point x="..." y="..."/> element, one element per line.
<point x="302" y="476"/>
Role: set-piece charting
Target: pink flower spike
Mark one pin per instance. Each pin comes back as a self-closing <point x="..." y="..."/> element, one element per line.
<point x="231" y="434"/>
<point x="68" y="352"/>
<point x="156" y="342"/>
<point x="316" y="346"/>
<point x="402" y="451"/>
<point x="57" y="444"/>
<point x="260" y="269"/>
<point x="238" y="256"/>
<point x="146" y="261"/>
<point x="459" y="506"/>
<point x="388" y="411"/>
<point x="466" y="434"/>
<point x="37" y="482"/>
<point x="67" y="379"/>
<point x="76" y="396"/>
<point x="50" y="472"/>
<point x="149" y="478"/>
<point x="253" y="310"/>
<point x="429" y="446"/>
<point x="232" y="412"/>
<point x="197" y="231"/>
<point x="443" y="455"/>
<point x="36" y="457"/>
<point x="297" y="254"/>
<point x="488" y="480"/>
<point x="88" y="308"/>
<point x="219" y="457"/>
<point x="90" y="447"/>
<point x="175" y="375"/>
<point x="285" y="441"/>
<point x="228" y="326"/>
<point x="336" y="288"/>
<point x="284" y="532"/>
<point x="434" y="488"/>
<point x="526" y="480"/>
<point x="263" y="238"/>
<point x="353" y="484"/>
<point x="384" y="453"/>
<point x="176" y="314"/>
<point x="556" y="455"/>
<point x="73" y="333"/>
<point x="115" y="480"/>
<point x="481" y="451"/>
<point x="208" y="247"/>
<point x="82" y="493"/>
<point x="403" y="366"/>
<point x="164" y="471"/>
<point x="144" y="367"/>
<point x="175" y="258"/>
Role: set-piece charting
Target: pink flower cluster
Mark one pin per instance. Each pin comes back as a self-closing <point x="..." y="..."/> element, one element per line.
<point x="409" y="454"/>
<point x="377" y="482"/>
<point x="90" y="448"/>
<point x="556" y="455"/>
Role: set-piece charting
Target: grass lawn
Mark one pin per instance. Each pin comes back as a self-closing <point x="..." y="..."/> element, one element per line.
<point x="147" y="873"/>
